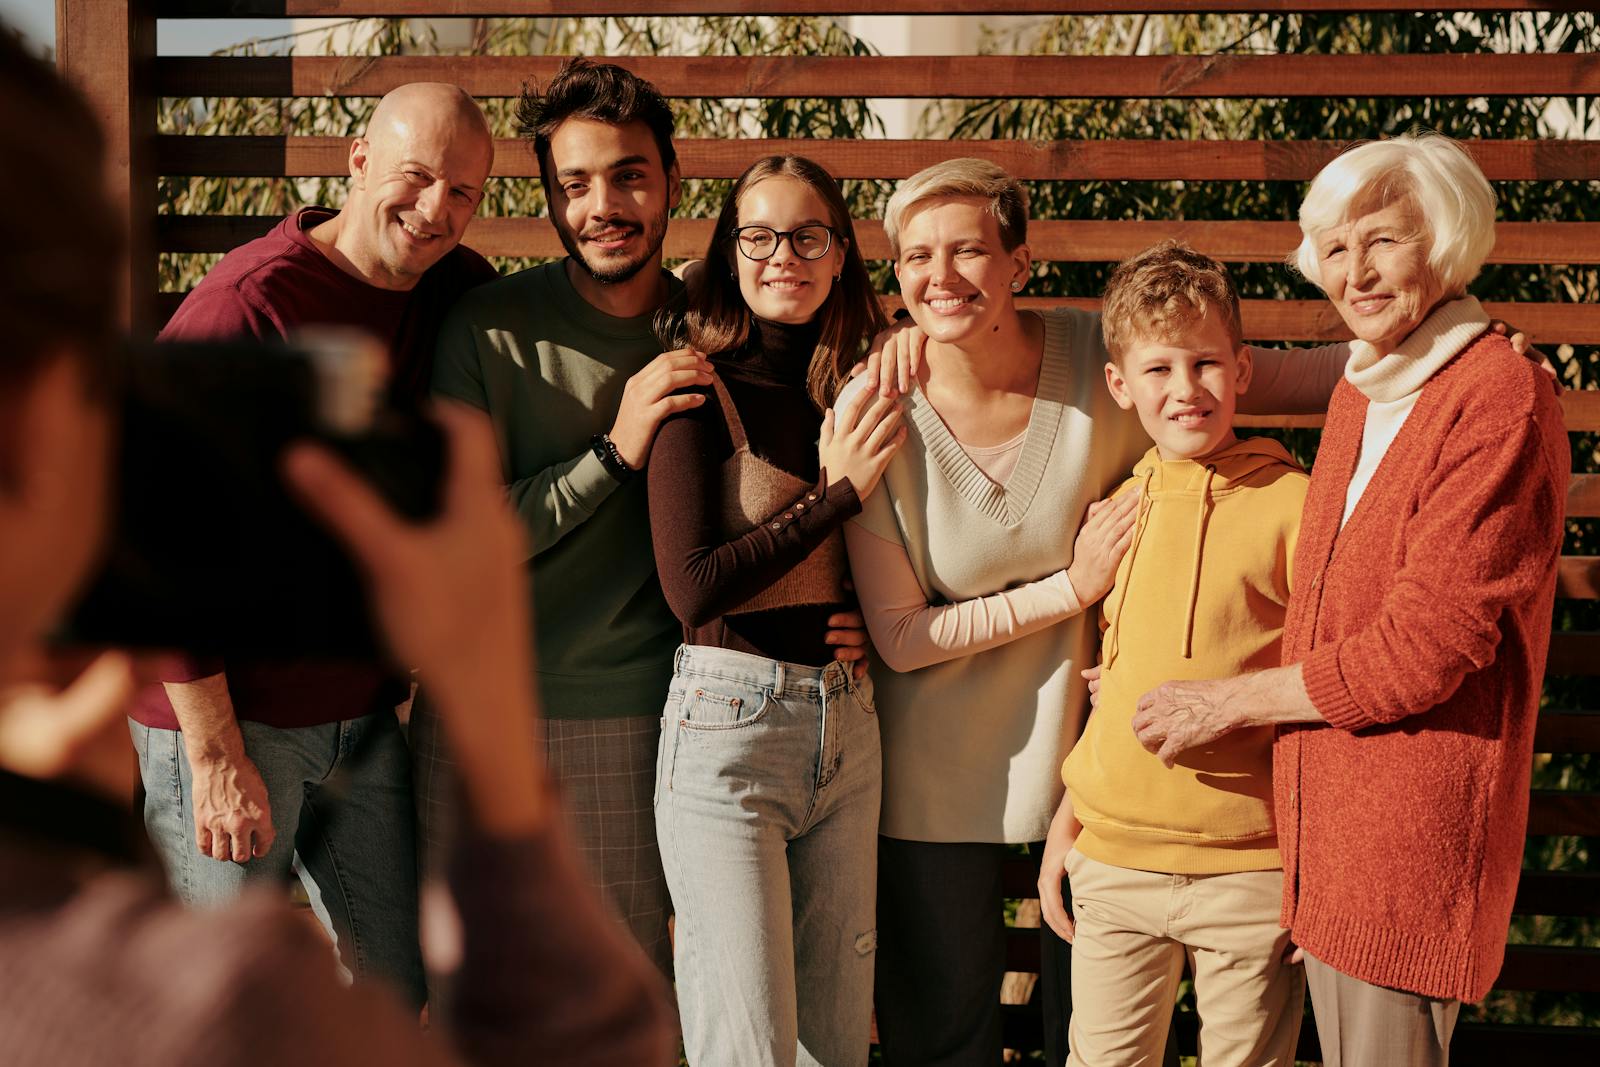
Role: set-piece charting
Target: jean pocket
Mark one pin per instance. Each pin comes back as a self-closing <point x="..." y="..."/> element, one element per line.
<point x="710" y="709"/>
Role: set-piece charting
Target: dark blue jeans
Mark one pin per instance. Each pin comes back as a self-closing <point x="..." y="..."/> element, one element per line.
<point x="349" y="823"/>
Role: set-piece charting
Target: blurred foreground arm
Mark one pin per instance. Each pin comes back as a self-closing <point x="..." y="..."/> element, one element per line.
<point x="545" y="975"/>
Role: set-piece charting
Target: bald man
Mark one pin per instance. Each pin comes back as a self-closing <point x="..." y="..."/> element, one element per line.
<point x="236" y="756"/>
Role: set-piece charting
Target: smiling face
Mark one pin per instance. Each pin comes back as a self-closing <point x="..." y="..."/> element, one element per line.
<point x="1184" y="388"/>
<point x="416" y="179"/>
<point x="786" y="287"/>
<point x="955" y="274"/>
<point x="1375" y="270"/>
<point x="610" y="196"/>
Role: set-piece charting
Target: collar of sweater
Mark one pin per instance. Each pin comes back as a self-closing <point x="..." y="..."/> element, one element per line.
<point x="777" y="351"/>
<point x="1384" y="377"/>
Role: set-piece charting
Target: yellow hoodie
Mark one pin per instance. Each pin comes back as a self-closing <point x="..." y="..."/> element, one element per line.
<point x="1200" y="594"/>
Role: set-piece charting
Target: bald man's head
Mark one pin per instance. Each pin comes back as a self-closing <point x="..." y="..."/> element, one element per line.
<point x="416" y="178"/>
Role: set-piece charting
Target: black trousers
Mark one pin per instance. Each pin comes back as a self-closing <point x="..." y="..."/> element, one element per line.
<point x="942" y="955"/>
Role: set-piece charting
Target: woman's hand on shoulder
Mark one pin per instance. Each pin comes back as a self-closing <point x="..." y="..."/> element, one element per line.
<point x="859" y="438"/>
<point x="894" y="359"/>
<point x="1103" y="540"/>
<point x="1521" y="344"/>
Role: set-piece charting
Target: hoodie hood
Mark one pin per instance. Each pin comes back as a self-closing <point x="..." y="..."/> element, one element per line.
<point x="1179" y="485"/>
<point x="1221" y="471"/>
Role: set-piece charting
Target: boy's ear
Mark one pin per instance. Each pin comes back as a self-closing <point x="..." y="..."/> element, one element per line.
<point x="1118" y="386"/>
<point x="1246" y="369"/>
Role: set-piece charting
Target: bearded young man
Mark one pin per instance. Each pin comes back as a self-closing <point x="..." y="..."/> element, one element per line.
<point x="236" y="754"/>
<point x="564" y="359"/>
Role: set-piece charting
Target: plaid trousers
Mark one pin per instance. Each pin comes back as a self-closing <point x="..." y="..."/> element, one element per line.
<point x="606" y="772"/>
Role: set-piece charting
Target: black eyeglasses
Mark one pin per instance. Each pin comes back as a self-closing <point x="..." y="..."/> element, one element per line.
<point x="760" y="242"/>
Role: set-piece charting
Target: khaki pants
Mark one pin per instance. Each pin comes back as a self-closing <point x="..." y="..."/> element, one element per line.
<point x="1134" y="931"/>
<point x="1364" y="1025"/>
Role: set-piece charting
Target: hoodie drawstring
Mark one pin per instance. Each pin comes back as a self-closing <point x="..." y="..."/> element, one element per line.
<point x="1194" y="577"/>
<point x="1111" y="644"/>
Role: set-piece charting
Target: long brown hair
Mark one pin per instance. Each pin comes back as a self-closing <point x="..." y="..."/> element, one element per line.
<point x="717" y="319"/>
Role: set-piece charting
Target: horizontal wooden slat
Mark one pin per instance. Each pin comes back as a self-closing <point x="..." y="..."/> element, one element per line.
<point x="1577" y="654"/>
<point x="1578" y="577"/>
<point x="1554" y="969"/>
<point x="1558" y="893"/>
<point x="1568" y="731"/>
<point x="1538" y="892"/>
<point x="175" y="9"/>
<point x="1059" y="240"/>
<point x="1550" y="968"/>
<point x="1313" y="321"/>
<point x="1583" y="502"/>
<point x="1489" y="1045"/>
<point x="1149" y="160"/>
<point x="1564" y="812"/>
<point x="919" y="77"/>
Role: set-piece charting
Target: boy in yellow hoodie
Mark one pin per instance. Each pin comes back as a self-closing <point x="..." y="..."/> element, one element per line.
<point x="1165" y="864"/>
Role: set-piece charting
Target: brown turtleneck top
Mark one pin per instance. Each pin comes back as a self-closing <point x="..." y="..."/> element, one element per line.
<point x="747" y="537"/>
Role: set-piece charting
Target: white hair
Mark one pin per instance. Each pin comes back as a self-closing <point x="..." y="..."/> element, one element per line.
<point x="1455" y="199"/>
<point x="1008" y="200"/>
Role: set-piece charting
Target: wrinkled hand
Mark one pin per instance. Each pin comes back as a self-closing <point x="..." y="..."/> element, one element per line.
<point x="895" y="358"/>
<point x="1092" y="676"/>
<point x="651" y="395"/>
<point x="1524" y="348"/>
<point x="1175" y="717"/>
<point x="1102" y="541"/>
<point x="232" y="816"/>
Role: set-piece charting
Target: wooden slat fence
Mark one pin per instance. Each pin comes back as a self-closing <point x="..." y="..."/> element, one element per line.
<point x="109" y="50"/>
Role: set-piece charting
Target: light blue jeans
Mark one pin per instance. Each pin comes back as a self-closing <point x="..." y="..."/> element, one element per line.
<point x="348" y="826"/>
<point x="767" y="798"/>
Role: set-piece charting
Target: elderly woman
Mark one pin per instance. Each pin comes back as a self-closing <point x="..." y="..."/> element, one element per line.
<point x="1417" y="633"/>
<point x="975" y="593"/>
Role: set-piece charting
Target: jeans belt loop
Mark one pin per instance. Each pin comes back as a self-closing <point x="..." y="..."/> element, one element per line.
<point x="777" y="678"/>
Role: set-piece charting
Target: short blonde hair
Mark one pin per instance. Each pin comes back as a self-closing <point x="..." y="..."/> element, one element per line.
<point x="1161" y="293"/>
<point x="1456" y="201"/>
<point x="1008" y="200"/>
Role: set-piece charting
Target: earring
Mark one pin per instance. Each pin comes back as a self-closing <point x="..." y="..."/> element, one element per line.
<point x="836" y="277"/>
<point x="1016" y="287"/>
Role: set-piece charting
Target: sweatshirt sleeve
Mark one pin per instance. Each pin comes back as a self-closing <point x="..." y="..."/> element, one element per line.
<point x="552" y="502"/>
<point x="909" y="633"/>
<point x="1293" y="381"/>
<point x="703" y="574"/>
<point x="1498" y="502"/>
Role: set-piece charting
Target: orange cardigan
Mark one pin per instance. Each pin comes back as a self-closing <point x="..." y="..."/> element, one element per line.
<point x="1423" y="628"/>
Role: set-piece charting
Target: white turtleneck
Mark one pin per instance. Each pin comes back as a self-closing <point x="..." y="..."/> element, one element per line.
<point x="1392" y="381"/>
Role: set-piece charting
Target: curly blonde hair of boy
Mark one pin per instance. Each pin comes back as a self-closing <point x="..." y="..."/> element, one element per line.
<point x="1163" y="292"/>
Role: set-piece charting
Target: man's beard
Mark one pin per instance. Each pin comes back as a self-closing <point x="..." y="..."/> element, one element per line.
<point x="654" y="235"/>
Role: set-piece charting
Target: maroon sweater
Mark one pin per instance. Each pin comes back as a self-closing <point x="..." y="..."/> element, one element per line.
<point x="1423" y="627"/>
<point x="266" y="289"/>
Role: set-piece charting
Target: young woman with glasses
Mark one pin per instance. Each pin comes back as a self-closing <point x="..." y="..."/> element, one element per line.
<point x="769" y="777"/>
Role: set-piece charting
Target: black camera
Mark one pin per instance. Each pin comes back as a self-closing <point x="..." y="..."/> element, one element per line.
<point x="209" y="553"/>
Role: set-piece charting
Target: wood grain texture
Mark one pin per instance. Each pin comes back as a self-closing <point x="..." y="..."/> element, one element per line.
<point x="1112" y="160"/>
<point x="1070" y="240"/>
<point x="918" y="77"/>
<point x="577" y="8"/>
